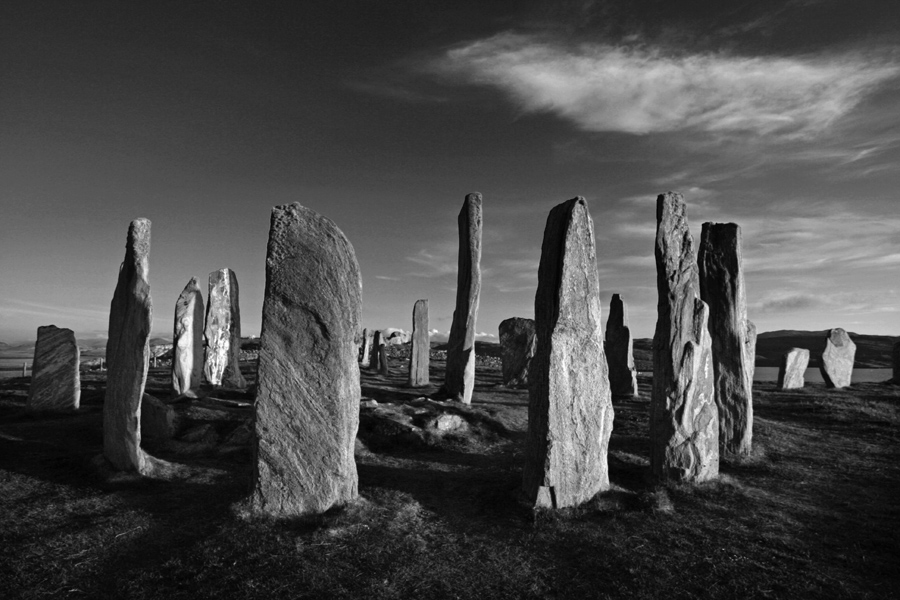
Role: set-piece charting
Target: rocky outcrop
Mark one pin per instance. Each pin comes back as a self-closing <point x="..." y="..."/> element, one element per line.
<point x="307" y="405"/>
<point x="684" y="421"/>
<point x="420" y="351"/>
<point x="570" y="413"/>
<point x="620" y="350"/>
<point x="187" y="357"/>
<point x="459" y="380"/>
<point x="517" y="345"/>
<point x="837" y="359"/>
<point x="55" y="380"/>
<point x="792" y="372"/>
<point x="223" y="331"/>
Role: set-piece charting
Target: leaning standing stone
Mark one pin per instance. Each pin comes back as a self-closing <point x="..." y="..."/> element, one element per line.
<point x="792" y="372"/>
<point x="517" y="345"/>
<point x="460" y="374"/>
<point x="187" y="342"/>
<point x="307" y="406"/>
<point x="223" y="331"/>
<point x="128" y="355"/>
<point x="620" y="350"/>
<point x="722" y="288"/>
<point x="837" y="359"/>
<point x="684" y="421"/>
<point x="570" y="412"/>
<point x="420" y="349"/>
<point x="55" y="380"/>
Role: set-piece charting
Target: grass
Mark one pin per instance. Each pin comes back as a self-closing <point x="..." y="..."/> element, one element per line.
<point x="813" y="513"/>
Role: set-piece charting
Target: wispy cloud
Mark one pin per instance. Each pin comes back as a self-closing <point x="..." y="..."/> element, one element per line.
<point x="386" y="278"/>
<point x="639" y="90"/>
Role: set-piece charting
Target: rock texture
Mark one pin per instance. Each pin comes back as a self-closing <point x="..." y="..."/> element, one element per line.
<point x="751" y="348"/>
<point x="366" y="356"/>
<point x="55" y="380"/>
<point x="187" y="342"/>
<point x="307" y="405"/>
<point x="459" y="380"/>
<point x="837" y="359"/>
<point x="721" y="271"/>
<point x="158" y="420"/>
<point x="381" y="357"/>
<point x="570" y="412"/>
<point x="420" y="351"/>
<point x="517" y="346"/>
<point x="684" y="421"/>
<point x="620" y="350"/>
<point x="792" y="372"/>
<point x="128" y="355"/>
<point x="223" y="331"/>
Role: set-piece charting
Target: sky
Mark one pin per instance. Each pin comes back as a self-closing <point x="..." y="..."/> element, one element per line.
<point x="782" y="116"/>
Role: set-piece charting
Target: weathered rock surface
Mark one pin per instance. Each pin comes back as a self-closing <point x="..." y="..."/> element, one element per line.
<point x="420" y="351"/>
<point x="721" y="273"/>
<point x="307" y="405"/>
<point x="459" y="380"/>
<point x="158" y="419"/>
<point x="128" y="355"/>
<point x="620" y="350"/>
<point x="792" y="372"/>
<point x="517" y="346"/>
<point x="897" y="361"/>
<point x="837" y="358"/>
<point x="187" y="357"/>
<point x="381" y="357"/>
<point x="684" y="421"/>
<point x="751" y="348"/>
<point x="55" y="380"/>
<point x="570" y="412"/>
<point x="223" y="331"/>
<point x="366" y="357"/>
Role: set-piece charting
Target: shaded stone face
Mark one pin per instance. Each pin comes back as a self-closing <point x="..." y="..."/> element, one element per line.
<point x="307" y="405"/>
<point x="420" y="351"/>
<point x="684" y="421"/>
<point x="570" y="413"/>
<point x="619" y="350"/>
<point x="837" y="358"/>
<point x="459" y="380"/>
<point x="223" y="331"/>
<point x="792" y="372"/>
<point x="187" y="342"/>
<point x="128" y="355"/>
<point x="721" y="276"/>
<point x="897" y="361"/>
<point x="381" y="358"/>
<point x="55" y="380"/>
<point x="517" y="345"/>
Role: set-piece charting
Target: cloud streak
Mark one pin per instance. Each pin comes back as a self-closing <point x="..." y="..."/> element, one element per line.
<point x="636" y="90"/>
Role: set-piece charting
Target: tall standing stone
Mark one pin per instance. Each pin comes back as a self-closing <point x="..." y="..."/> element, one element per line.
<point x="792" y="372"/>
<point x="722" y="288"/>
<point x="307" y="406"/>
<point x="187" y="342"/>
<point x="55" y="380"/>
<point x="517" y="346"/>
<point x="751" y="348"/>
<point x="381" y="358"/>
<point x="684" y="421"/>
<point x="223" y="331"/>
<point x="620" y="350"/>
<point x="837" y="358"/>
<point x="897" y="361"/>
<point x="459" y="380"/>
<point x="128" y="355"/>
<point x="570" y="412"/>
<point x="420" y="349"/>
<point x="366" y="356"/>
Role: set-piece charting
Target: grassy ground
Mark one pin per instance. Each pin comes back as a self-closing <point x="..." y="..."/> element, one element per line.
<point x="814" y="513"/>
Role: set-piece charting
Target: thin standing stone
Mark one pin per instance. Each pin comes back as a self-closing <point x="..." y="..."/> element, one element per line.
<point x="223" y="331"/>
<point x="381" y="357"/>
<point x="187" y="342"/>
<point x="366" y="357"/>
<point x="55" y="380"/>
<point x="791" y="374"/>
<point x="420" y="350"/>
<point x="517" y="345"/>
<point x="570" y="412"/>
<point x="459" y="380"/>
<point x="620" y="350"/>
<point x="307" y="407"/>
<point x="837" y="358"/>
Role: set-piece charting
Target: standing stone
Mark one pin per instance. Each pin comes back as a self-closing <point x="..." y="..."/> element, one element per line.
<point x="459" y="380"/>
<point x="721" y="274"/>
<point x="620" y="350"/>
<point x="793" y="369"/>
<point x="128" y="355"/>
<point x="223" y="331"/>
<point x="420" y="351"/>
<point x="837" y="359"/>
<point x="517" y="346"/>
<point x="751" y="348"/>
<point x="55" y="380"/>
<point x="187" y="342"/>
<point x="307" y="406"/>
<point x="381" y="357"/>
<point x="684" y="421"/>
<point x="570" y="412"/>
<point x="366" y="357"/>
<point x="897" y="361"/>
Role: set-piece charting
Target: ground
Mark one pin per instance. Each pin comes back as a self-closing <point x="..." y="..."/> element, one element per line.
<point x="813" y="513"/>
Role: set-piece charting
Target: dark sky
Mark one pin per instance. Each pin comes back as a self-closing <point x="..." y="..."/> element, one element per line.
<point x="780" y="116"/>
